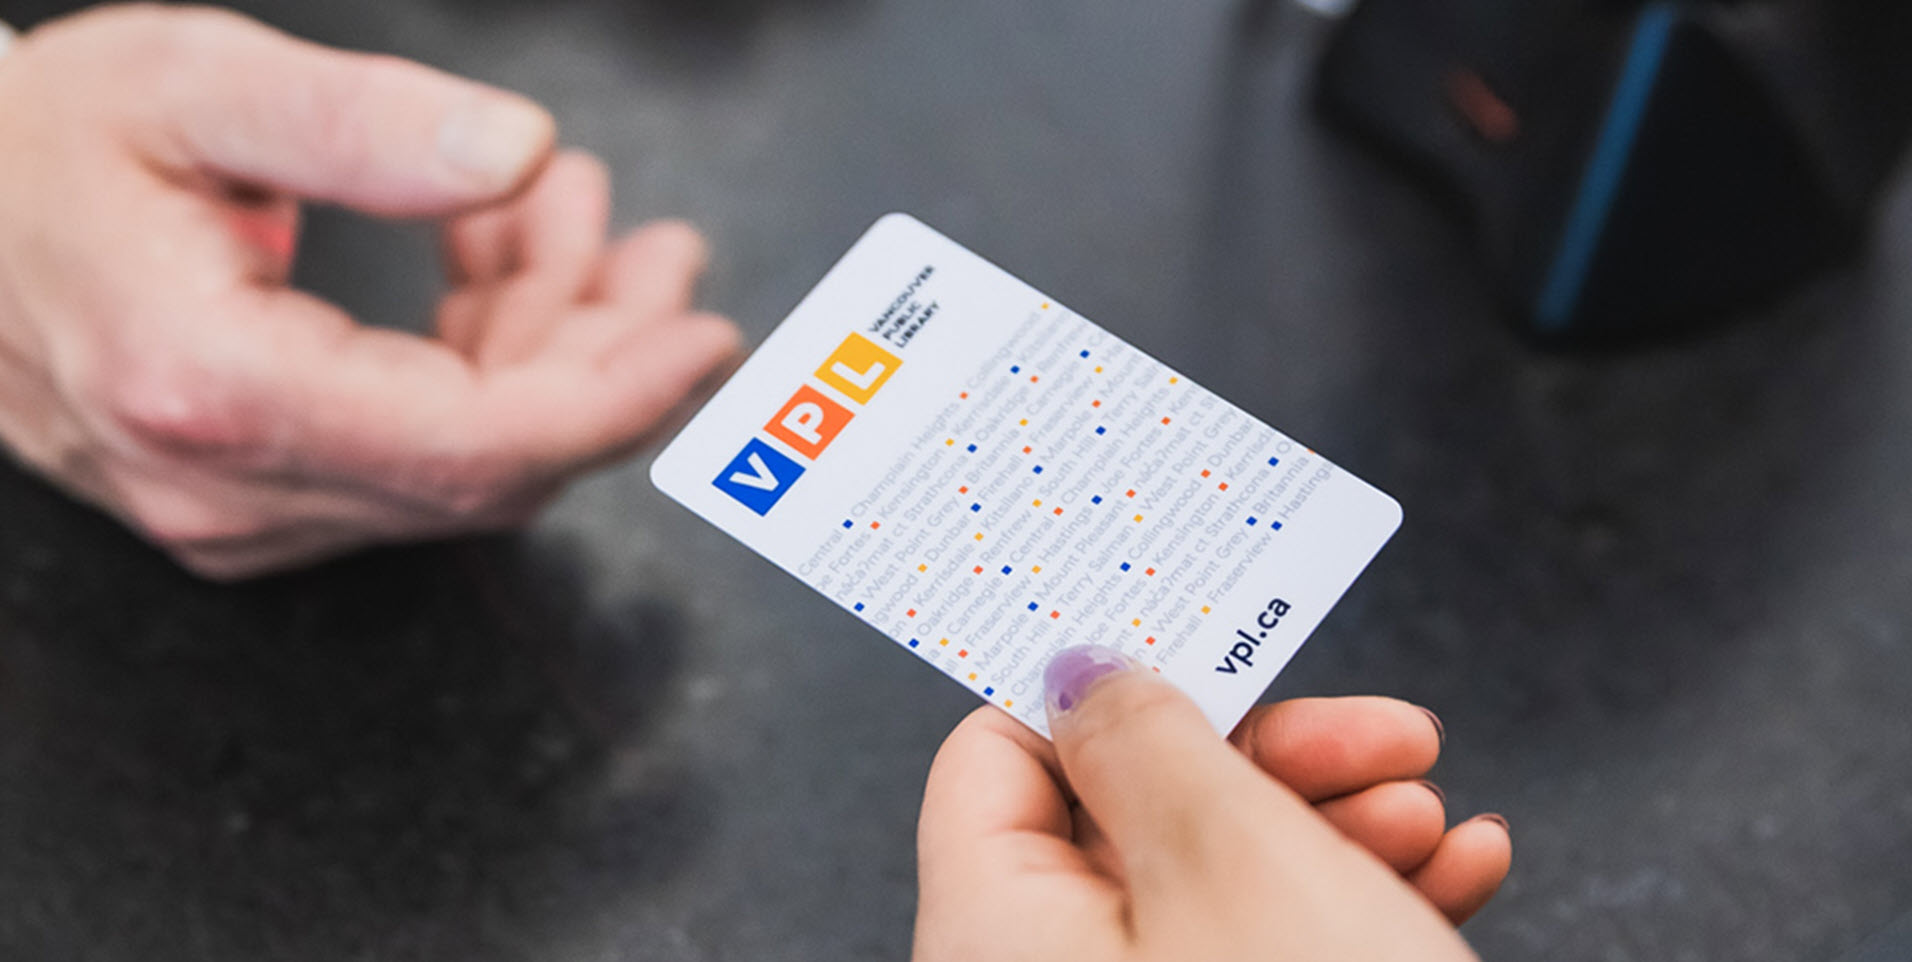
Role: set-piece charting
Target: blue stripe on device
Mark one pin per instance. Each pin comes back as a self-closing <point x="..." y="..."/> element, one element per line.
<point x="1600" y="184"/>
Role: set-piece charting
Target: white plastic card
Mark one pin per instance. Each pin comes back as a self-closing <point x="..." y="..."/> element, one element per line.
<point x="987" y="477"/>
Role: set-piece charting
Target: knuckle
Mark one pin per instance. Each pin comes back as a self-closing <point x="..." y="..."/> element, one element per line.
<point x="182" y="525"/>
<point x="678" y="239"/>
<point x="180" y="409"/>
<point x="1337" y="749"/>
<point x="590" y="170"/>
<point x="468" y="487"/>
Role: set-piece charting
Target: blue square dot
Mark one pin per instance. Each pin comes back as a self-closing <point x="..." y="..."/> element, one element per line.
<point x="1101" y="430"/>
<point x="914" y="642"/>
<point x="1016" y="370"/>
<point x="1125" y="566"/>
<point x="1251" y="522"/>
<point x="1032" y="606"/>
<point x="1096" y="500"/>
<point x="848" y="524"/>
<point x="975" y="507"/>
<point x="1275" y="525"/>
<point x="859" y="606"/>
<point x="1085" y="353"/>
<point x="1005" y="569"/>
<point x="972" y="449"/>
<point x="1273" y="462"/>
<point x="1038" y="469"/>
<point x="988" y="692"/>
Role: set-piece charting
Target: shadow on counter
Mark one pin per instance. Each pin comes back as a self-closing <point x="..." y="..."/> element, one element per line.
<point x="412" y="750"/>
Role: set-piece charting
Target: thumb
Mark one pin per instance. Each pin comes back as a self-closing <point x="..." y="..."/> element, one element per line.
<point x="1179" y="804"/>
<point x="376" y="133"/>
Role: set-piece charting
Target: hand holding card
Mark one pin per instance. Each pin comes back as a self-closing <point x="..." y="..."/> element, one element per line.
<point x="988" y="478"/>
<point x="1168" y="844"/>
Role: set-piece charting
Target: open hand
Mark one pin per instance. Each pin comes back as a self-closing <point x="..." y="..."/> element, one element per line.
<point x="154" y="362"/>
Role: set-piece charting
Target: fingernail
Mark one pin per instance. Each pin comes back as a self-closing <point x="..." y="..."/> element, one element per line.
<point x="1436" y="789"/>
<point x="1073" y="671"/>
<point x="494" y="138"/>
<point x="1496" y="819"/>
<point x="1440" y="730"/>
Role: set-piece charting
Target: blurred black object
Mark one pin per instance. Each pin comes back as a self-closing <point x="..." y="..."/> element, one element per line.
<point x="1634" y="168"/>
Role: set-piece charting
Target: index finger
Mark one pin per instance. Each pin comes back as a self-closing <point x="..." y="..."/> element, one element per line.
<point x="994" y="775"/>
<point x="283" y="385"/>
<point x="993" y="779"/>
<point x="1327" y="747"/>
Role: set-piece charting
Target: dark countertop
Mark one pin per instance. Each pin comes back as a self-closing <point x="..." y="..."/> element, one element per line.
<point x="1660" y="598"/>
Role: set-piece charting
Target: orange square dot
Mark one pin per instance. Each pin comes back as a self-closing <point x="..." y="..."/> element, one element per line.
<point x="1223" y="486"/>
<point x="1026" y="449"/>
<point x="1204" y="472"/>
<point x="964" y="395"/>
<point x="874" y="525"/>
<point x="1131" y="492"/>
<point x="1058" y="511"/>
<point x="963" y="490"/>
<point x="1165" y="420"/>
<point x="1055" y="614"/>
<point x="1158" y="671"/>
<point x="963" y="654"/>
<point x="1150" y="572"/>
<point x="1151" y="639"/>
<point x="912" y="612"/>
<point x="1033" y="379"/>
<point x="1095" y="404"/>
<point x="979" y="569"/>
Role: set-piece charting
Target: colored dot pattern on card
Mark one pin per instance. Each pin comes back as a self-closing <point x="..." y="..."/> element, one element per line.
<point x="1031" y="407"/>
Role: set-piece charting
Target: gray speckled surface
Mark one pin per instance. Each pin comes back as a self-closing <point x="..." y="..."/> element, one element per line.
<point x="1660" y="598"/>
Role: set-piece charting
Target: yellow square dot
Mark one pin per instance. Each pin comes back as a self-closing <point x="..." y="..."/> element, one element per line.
<point x="1136" y="623"/>
<point x="1098" y="369"/>
<point x="1009" y="703"/>
<point x="1175" y="380"/>
<point x="944" y="642"/>
<point x="1038" y="502"/>
<point x="1036" y="570"/>
<point x="1024" y="422"/>
<point x="1206" y="609"/>
<point x="1138" y="518"/>
<point x="922" y="567"/>
<point x="950" y="443"/>
<point x="972" y="676"/>
<point x="979" y="534"/>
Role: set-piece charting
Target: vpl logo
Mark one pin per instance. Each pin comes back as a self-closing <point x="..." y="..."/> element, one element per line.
<point x="760" y="475"/>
